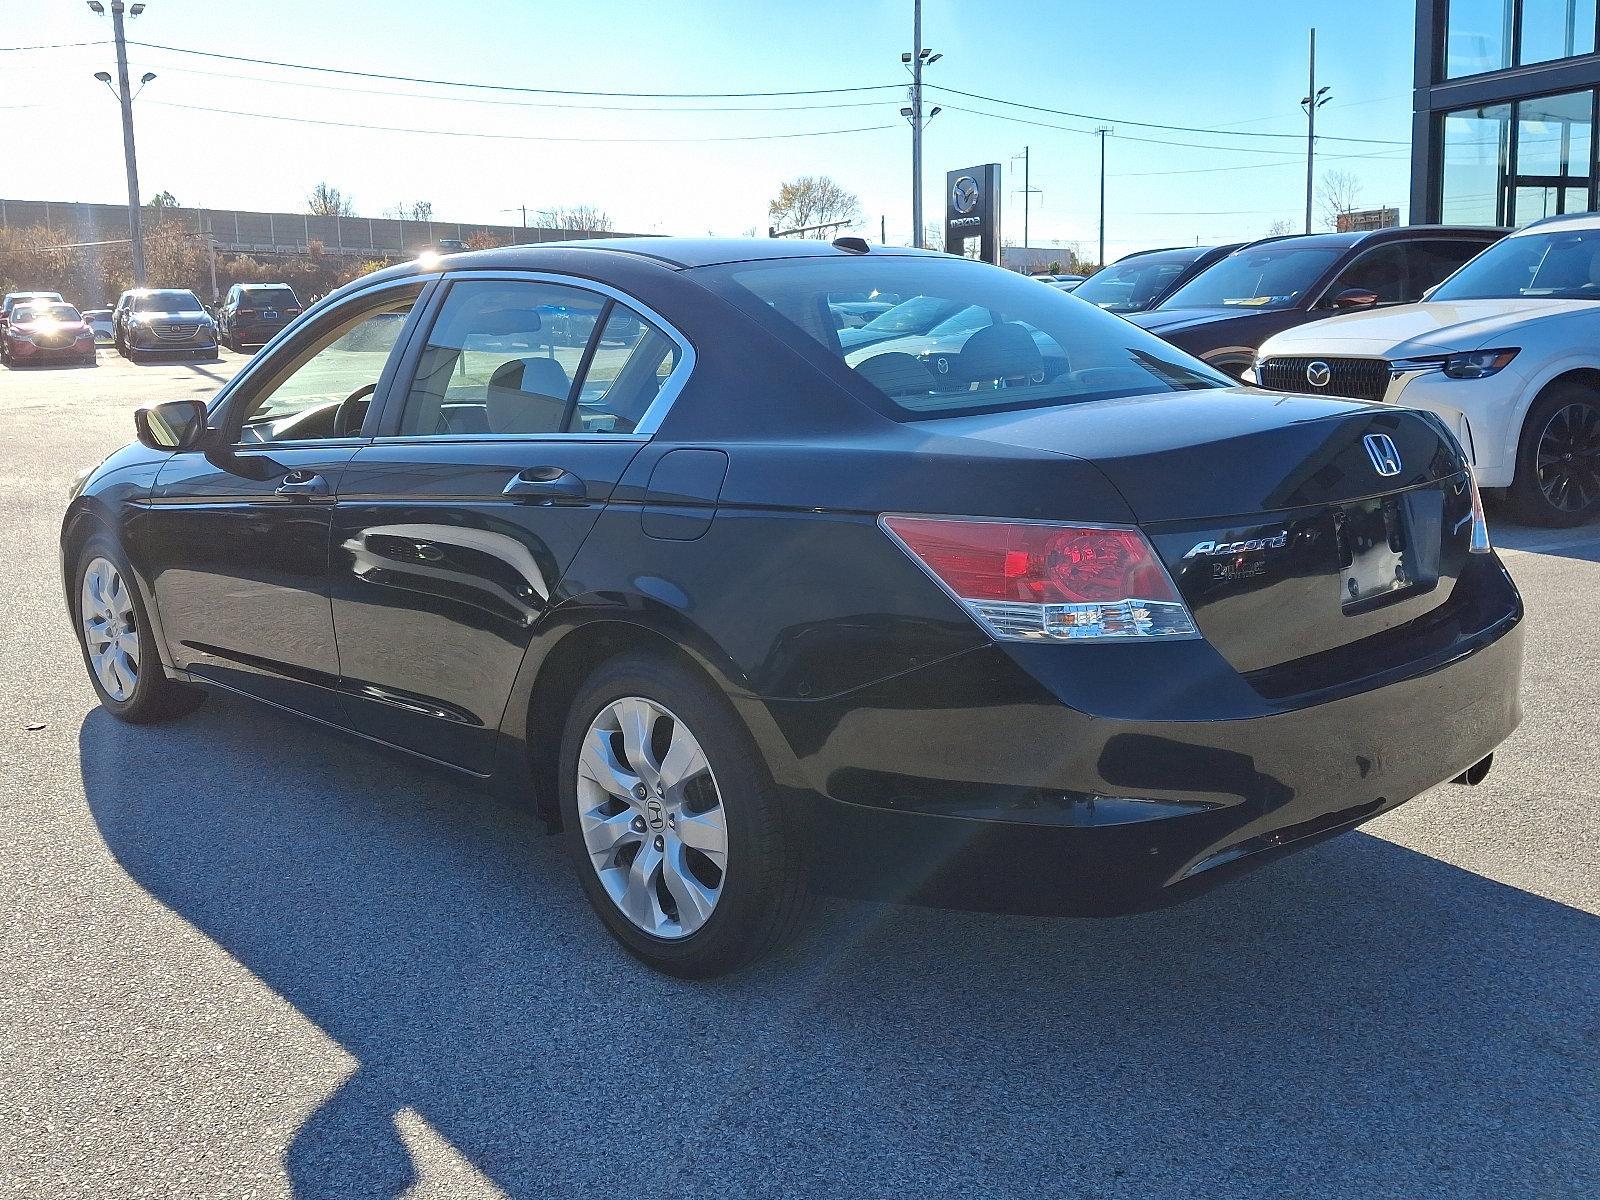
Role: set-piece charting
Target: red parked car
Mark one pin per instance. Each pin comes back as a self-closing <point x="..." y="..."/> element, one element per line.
<point x="46" y="331"/>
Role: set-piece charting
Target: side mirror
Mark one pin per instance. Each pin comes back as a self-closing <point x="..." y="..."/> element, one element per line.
<point x="175" y="425"/>
<point x="1355" y="298"/>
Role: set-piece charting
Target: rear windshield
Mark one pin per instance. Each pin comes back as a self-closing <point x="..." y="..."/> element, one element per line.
<point x="971" y="338"/>
<point x="1265" y="277"/>
<point x="166" y="302"/>
<point x="1558" y="266"/>
<point x="268" y="297"/>
<point x="1136" y="283"/>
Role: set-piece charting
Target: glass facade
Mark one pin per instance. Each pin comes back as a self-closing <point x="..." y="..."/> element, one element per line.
<point x="1491" y="35"/>
<point x="1508" y="164"/>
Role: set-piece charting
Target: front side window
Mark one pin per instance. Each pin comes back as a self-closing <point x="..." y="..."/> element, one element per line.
<point x="326" y="379"/>
<point x="1004" y="342"/>
<point x="1554" y="265"/>
<point x="1269" y="277"/>
<point x="1381" y="271"/>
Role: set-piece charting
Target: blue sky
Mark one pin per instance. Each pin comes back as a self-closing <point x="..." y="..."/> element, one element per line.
<point x="1233" y="65"/>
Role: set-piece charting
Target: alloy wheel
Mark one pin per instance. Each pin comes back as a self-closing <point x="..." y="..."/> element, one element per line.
<point x="651" y="817"/>
<point x="1567" y="457"/>
<point x="110" y="628"/>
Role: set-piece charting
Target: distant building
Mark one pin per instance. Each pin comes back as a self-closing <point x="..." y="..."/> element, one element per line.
<point x="1360" y="220"/>
<point x="1503" y="119"/>
<point x="1036" y="260"/>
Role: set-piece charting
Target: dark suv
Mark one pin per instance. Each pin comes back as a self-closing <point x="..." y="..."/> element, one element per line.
<point x="1142" y="280"/>
<point x="149" y="321"/>
<point x="254" y="312"/>
<point x="1224" y="313"/>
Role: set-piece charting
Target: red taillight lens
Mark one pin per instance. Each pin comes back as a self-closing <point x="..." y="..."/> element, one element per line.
<point x="1034" y="580"/>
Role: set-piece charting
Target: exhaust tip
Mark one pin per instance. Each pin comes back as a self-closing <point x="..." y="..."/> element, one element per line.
<point x="1476" y="773"/>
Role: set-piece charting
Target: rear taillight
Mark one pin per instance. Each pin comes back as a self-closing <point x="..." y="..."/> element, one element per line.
<point x="1479" y="542"/>
<point x="247" y="312"/>
<point x="1025" y="580"/>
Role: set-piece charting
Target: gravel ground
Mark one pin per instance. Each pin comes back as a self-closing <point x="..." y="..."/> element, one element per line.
<point x="242" y="956"/>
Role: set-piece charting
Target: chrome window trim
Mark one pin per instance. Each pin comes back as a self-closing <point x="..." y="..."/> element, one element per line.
<point x="653" y="415"/>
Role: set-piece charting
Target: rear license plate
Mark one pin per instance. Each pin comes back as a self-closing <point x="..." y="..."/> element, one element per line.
<point x="270" y="315"/>
<point x="1376" y="542"/>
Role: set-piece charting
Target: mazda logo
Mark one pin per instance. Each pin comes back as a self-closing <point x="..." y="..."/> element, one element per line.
<point x="964" y="195"/>
<point x="653" y="812"/>
<point x="942" y="364"/>
<point x="1319" y="374"/>
<point x="1383" y="453"/>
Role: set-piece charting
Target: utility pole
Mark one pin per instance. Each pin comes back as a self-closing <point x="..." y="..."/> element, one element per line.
<point x="1028" y="191"/>
<point x="914" y="62"/>
<point x="1314" y="100"/>
<point x="883" y="230"/>
<point x="125" y="99"/>
<point x="1102" y="131"/>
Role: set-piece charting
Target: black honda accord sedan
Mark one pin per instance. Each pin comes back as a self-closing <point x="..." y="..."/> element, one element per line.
<point x="1059" y="621"/>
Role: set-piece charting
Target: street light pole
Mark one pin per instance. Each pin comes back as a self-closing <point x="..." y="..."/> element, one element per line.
<point x="916" y="124"/>
<point x="1314" y="100"/>
<point x="125" y="101"/>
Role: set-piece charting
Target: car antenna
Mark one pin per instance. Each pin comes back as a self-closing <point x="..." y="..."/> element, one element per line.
<point x="853" y="244"/>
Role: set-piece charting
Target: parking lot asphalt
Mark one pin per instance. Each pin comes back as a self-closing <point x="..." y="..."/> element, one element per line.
<point x="242" y="955"/>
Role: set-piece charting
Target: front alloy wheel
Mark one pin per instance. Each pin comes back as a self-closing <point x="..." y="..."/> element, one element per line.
<point x="110" y="629"/>
<point x="1557" y="480"/>
<point x="1567" y="459"/>
<point x="652" y="818"/>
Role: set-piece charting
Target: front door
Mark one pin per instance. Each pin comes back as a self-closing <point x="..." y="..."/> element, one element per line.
<point x="237" y="534"/>
<point x="528" y="400"/>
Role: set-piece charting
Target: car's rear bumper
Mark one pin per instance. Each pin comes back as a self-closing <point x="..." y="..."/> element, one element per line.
<point x="255" y="333"/>
<point x="987" y="782"/>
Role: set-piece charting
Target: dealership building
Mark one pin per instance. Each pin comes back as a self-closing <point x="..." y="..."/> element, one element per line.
<point x="1504" y="111"/>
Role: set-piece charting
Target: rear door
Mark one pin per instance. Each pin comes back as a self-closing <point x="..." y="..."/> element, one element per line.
<point x="526" y="401"/>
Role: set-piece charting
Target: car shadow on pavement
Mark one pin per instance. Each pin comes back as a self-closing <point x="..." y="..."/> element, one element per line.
<point x="1359" y="1019"/>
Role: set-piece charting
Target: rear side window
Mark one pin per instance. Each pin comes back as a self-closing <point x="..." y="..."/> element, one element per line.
<point x="1433" y="262"/>
<point x="967" y="338"/>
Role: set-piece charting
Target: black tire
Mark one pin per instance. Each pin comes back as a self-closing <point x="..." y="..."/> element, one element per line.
<point x="764" y="895"/>
<point x="154" y="697"/>
<point x="1557" y="481"/>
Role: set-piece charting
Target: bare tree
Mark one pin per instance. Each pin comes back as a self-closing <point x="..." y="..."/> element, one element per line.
<point x="1340" y="193"/>
<point x="420" y="210"/>
<point x="814" y="200"/>
<point x="325" y="201"/>
<point x="1280" y="227"/>
<point x="579" y="218"/>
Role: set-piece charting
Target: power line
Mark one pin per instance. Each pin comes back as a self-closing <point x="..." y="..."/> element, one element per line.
<point x="506" y="137"/>
<point x="52" y="46"/>
<point x="345" y="88"/>
<point x="1123" y="137"/>
<point x="1061" y="112"/>
<point x="506" y="87"/>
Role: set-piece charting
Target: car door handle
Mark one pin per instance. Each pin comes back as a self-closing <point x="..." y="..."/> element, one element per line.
<point x="549" y="484"/>
<point x="303" y="483"/>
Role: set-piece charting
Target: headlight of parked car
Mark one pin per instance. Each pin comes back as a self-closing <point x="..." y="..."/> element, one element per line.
<point x="1470" y="364"/>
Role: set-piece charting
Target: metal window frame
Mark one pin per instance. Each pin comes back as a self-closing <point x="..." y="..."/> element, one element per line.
<point x="388" y="428"/>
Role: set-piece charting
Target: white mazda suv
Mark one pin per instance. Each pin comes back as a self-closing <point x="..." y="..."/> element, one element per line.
<point x="1507" y="350"/>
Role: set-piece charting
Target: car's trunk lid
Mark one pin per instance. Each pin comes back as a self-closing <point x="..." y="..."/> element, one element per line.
<point x="1292" y="525"/>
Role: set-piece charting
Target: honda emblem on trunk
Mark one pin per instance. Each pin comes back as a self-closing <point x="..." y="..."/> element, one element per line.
<point x="1381" y="450"/>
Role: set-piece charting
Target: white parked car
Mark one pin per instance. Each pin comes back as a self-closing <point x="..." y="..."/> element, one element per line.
<point x="1507" y="350"/>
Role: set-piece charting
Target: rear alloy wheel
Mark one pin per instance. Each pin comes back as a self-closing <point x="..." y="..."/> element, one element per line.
<point x="651" y="817"/>
<point x="118" y="645"/>
<point x="1558" y="464"/>
<point x="676" y="830"/>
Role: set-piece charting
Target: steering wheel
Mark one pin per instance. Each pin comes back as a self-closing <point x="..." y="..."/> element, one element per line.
<point x="352" y="411"/>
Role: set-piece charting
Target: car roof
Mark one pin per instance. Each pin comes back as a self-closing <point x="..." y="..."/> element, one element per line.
<point x="1585" y="220"/>
<point x="677" y="252"/>
<point x="1344" y="241"/>
<point x="248" y="286"/>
